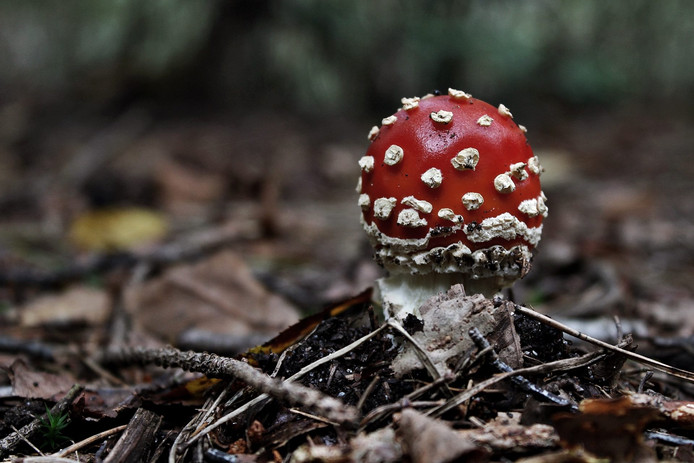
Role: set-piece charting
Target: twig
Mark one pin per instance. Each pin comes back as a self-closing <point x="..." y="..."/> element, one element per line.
<point x="34" y="348"/>
<point x="387" y="409"/>
<point x="89" y="441"/>
<point x="137" y="438"/>
<point x="8" y="443"/>
<point x="197" y="421"/>
<point x="439" y="382"/>
<point x="218" y="456"/>
<point x="226" y="418"/>
<point x="312" y="417"/>
<point x="521" y="381"/>
<point x="419" y="351"/>
<point x="559" y="365"/>
<point x="263" y="397"/>
<point x="27" y="441"/>
<point x="644" y="380"/>
<point x="367" y="392"/>
<point x="669" y="438"/>
<point x="224" y="367"/>
<point x="48" y="459"/>
<point x="674" y="371"/>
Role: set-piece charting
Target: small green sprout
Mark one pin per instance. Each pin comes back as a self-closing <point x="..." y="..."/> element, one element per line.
<point x="52" y="427"/>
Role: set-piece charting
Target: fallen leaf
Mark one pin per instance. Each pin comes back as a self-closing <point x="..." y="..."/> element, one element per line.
<point x="78" y="304"/>
<point x="427" y="440"/>
<point x="117" y="229"/>
<point x="447" y="318"/>
<point x="31" y="384"/>
<point x="105" y="402"/>
<point x="611" y="428"/>
<point x="218" y="295"/>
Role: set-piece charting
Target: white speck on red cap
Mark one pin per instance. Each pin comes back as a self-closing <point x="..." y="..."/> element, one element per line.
<point x="359" y="184"/>
<point x="466" y="159"/>
<point x="529" y="207"/>
<point x="458" y="94"/>
<point x="504" y="184"/>
<point x="485" y="121"/>
<point x="389" y="120"/>
<point x="534" y="165"/>
<point x="418" y="204"/>
<point x="366" y="163"/>
<point x="447" y="213"/>
<point x="410" y="103"/>
<point x="522" y="128"/>
<point x="518" y="170"/>
<point x="472" y="200"/>
<point x="364" y="202"/>
<point x="393" y="155"/>
<point x="383" y="207"/>
<point x="432" y="177"/>
<point x="504" y="111"/>
<point x="441" y="116"/>
<point x="504" y="226"/>
<point x="410" y="218"/>
<point x="373" y="133"/>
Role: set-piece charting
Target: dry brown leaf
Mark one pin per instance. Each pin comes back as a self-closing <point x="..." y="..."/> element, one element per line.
<point x="611" y="428"/>
<point x="447" y="318"/>
<point x="79" y="304"/>
<point x="219" y="295"/>
<point x="105" y="402"/>
<point x="429" y="441"/>
<point x="31" y="384"/>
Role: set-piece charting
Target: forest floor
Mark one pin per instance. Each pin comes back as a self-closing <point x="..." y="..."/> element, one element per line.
<point x="244" y="226"/>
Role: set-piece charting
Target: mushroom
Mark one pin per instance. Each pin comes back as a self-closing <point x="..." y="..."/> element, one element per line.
<point x="449" y="194"/>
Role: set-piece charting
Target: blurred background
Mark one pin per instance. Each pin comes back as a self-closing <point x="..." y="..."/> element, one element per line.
<point x="246" y="119"/>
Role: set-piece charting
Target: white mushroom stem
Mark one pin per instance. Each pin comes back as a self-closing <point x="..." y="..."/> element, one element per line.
<point x="402" y="293"/>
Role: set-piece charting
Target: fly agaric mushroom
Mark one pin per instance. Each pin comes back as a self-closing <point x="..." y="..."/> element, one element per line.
<point x="450" y="193"/>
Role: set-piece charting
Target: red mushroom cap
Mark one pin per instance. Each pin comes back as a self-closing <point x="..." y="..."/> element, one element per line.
<point x="450" y="184"/>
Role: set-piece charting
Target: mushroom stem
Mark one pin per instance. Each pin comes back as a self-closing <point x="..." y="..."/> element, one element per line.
<point x="402" y="293"/>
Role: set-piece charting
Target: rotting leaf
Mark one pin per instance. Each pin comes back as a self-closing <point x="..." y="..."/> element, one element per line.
<point x="104" y="402"/>
<point x="31" y="384"/>
<point x="78" y="304"/>
<point x="611" y="428"/>
<point x="218" y="294"/>
<point x="447" y="318"/>
<point x="427" y="440"/>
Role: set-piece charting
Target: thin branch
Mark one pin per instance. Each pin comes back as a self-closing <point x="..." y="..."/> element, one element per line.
<point x="673" y="371"/>
<point x="88" y="441"/>
<point x="198" y="421"/>
<point x="520" y="381"/>
<point x="559" y="365"/>
<point x="263" y="397"/>
<point x="419" y="351"/>
<point x="223" y="367"/>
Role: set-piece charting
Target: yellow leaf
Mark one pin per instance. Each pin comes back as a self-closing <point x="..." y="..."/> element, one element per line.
<point x="117" y="229"/>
